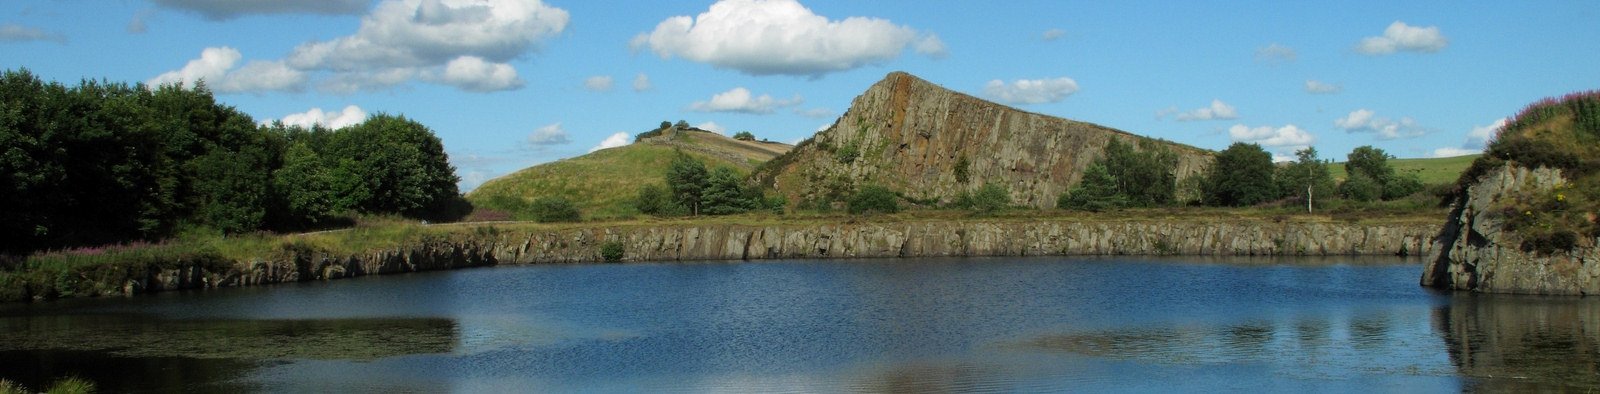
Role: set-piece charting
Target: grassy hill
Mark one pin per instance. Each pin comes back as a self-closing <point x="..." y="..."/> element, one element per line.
<point x="1437" y="171"/>
<point x="603" y="183"/>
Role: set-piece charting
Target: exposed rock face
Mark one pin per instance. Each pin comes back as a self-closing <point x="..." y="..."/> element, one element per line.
<point x="740" y="242"/>
<point x="1474" y="254"/>
<point x="911" y="136"/>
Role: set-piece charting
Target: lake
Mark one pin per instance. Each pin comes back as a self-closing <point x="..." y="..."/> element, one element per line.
<point x="897" y="325"/>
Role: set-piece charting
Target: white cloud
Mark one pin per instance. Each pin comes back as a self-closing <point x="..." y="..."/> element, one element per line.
<point x="1053" y="34"/>
<point x="1366" y="121"/>
<point x="741" y="100"/>
<point x="1477" y="139"/>
<point x="216" y="67"/>
<point x="712" y="127"/>
<point x="641" y="83"/>
<point x="1453" y="152"/>
<point x="472" y="73"/>
<point x="1402" y="37"/>
<point x="1288" y="136"/>
<point x="931" y="46"/>
<point x="1218" y="110"/>
<point x="550" y="134"/>
<point x="818" y="112"/>
<point x="824" y="126"/>
<point x="12" y="32"/>
<point x="350" y="115"/>
<point x="615" y="140"/>
<point x="598" y="83"/>
<point x="466" y="44"/>
<point x="1318" y="87"/>
<point x="229" y="9"/>
<point x="766" y="37"/>
<point x="1276" y="54"/>
<point x="1031" y="91"/>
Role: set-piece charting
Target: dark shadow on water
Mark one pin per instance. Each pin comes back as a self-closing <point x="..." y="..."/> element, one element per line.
<point x="1506" y="343"/>
<point x="137" y="353"/>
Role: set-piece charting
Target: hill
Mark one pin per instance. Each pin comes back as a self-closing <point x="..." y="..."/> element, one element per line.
<point x="1432" y="171"/>
<point x="931" y="144"/>
<point x="603" y="183"/>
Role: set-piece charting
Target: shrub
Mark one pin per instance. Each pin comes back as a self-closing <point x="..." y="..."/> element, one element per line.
<point x="744" y="136"/>
<point x="1095" y="193"/>
<point x="847" y="153"/>
<point x="990" y="198"/>
<point x="554" y="209"/>
<point x="1361" y="187"/>
<point x="874" y="198"/>
<point x="656" y="200"/>
<point x="611" y="251"/>
<point x="963" y="169"/>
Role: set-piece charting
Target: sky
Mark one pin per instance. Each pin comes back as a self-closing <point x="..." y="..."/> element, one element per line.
<point x="507" y="84"/>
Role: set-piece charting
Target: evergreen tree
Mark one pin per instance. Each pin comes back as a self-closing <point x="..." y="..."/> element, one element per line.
<point x="1096" y="192"/>
<point x="687" y="179"/>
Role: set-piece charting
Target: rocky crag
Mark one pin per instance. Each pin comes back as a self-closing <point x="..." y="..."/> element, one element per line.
<point x="485" y="246"/>
<point x="1476" y="254"/>
<point x="932" y="143"/>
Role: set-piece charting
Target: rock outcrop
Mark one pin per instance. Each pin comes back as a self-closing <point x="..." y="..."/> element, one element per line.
<point x="1475" y="254"/>
<point x="485" y="246"/>
<point x="931" y="143"/>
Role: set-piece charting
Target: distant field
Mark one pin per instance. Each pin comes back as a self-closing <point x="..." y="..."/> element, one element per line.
<point x="1432" y="171"/>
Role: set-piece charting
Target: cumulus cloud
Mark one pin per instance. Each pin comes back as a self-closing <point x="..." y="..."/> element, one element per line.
<point x="350" y="115"/>
<point x="1402" y="37"/>
<point x="1477" y="139"/>
<point x="463" y="44"/>
<point x="1288" y="136"/>
<point x="615" y="140"/>
<point x="1031" y="91"/>
<point x="229" y="9"/>
<point x="472" y="73"/>
<point x="712" y="127"/>
<point x="818" y="112"/>
<point x="1366" y="121"/>
<point x="1218" y="110"/>
<point x="1276" y="54"/>
<point x="741" y="100"/>
<point x="1053" y="34"/>
<point x="641" y="83"/>
<point x="1318" y="87"/>
<point x="216" y="66"/>
<point x="550" y="134"/>
<point x="782" y="37"/>
<point x="12" y="32"/>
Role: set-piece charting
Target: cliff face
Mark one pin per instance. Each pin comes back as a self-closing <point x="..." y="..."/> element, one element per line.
<point x="739" y="242"/>
<point x="911" y="136"/>
<point x="1474" y="254"/>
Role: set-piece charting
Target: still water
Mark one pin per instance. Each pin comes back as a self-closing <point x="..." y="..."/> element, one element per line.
<point x="906" y="325"/>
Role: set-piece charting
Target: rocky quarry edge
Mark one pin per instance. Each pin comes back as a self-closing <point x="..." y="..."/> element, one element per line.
<point x="488" y="246"/>
<point x="1474" y="254"/>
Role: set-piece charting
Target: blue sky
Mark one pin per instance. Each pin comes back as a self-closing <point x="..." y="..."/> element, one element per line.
<point x="511" y="83"/>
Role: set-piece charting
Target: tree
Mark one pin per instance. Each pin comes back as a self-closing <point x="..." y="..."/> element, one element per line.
<point x="724" y="194"/>
<point x="744" y="136"/>
<point x="1307" y="178"/>
<point x="657" y="200"/>
<point x="1146" y="177"/>
<point x="305" y="187"/>
<point x="1361" y="187"/>
<point x="682" y="125"/>
<point x="1241" y="176"/>
<point x="874" y="198"/>
<point x="1373" y="163"/>
<point x="664" y="125"/>
<point x="1096" y="192"/>
<point x="391" y="164"/>
<point x="687" y="179"/>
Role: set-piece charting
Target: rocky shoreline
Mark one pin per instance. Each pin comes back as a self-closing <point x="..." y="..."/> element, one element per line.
<point x="479" y="245"/>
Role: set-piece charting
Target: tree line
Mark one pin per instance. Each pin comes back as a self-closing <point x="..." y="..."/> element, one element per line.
<point x="105" y="162"/>
<point x="1241" y="175"/>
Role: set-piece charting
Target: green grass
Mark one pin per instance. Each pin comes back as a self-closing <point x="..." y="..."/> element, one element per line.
<point x="1435" y="171"/>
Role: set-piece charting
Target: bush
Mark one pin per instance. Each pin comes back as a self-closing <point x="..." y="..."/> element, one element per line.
<point x="554" y="209"/>
<point x="656" y="200"/>
<point x="611" y="251"/>
<point x="1361" y="187"/>
<point x="963" y="170"/>
<point x="874" y="198"/>
<point x="847" y="153"/>
<point x="990" y="198"/>
<point x="744" y="136"/>
<point x="1400" y="186"/>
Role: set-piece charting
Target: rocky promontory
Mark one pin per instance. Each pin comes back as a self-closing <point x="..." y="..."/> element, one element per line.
<point x="1475" y="252"/>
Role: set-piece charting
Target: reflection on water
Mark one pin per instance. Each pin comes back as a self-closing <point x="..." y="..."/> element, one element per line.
<point x="899" y="325"/>
<point x="1523" y="343"/>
